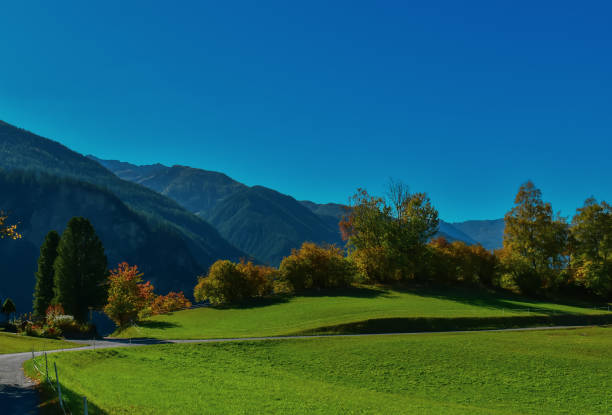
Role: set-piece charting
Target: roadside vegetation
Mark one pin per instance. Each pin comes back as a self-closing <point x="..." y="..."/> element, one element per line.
<point x="552" y="372"/>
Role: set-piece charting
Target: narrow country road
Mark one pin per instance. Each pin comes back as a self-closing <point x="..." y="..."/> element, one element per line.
<point x="18" y="395"/>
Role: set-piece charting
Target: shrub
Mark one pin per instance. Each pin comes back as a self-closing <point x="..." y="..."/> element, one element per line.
<point x="228" y="282"/>
<point x="459" y="262"/>
<point x="316" y="267"/>
<point x="53" y="311"/>
<point x="169" y="303"/>
<point x="223" y="284"/>
<point x="260" y="278"/>
<point x="374" y="265"/>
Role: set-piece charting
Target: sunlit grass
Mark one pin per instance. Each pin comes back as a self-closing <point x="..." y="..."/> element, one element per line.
<point x="14" y="343"/>
<point x="346" y="311"/>
<point x="535" y="372"/>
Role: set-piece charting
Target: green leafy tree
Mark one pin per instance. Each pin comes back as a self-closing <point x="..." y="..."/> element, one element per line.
<point x="535" y="241"/>
<point x="43" y="291"/>
<point x="80" y="269"/>
<point x="8" y="308"/>
<point x="317" y="267"/>
<point x="592" y="246"/>
<point x="225" y="283"/>
<point x="388" y="236"/>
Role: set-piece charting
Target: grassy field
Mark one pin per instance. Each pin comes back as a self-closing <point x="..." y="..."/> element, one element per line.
<point x="364" y="310"/>
<point x="531" y="372"/>
<point x="13" y="343"/>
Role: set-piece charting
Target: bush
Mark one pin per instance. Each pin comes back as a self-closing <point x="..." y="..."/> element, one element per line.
<point x="316" y="267"/>
<point x="373" y="265"/>
<point x="169" y="303"/>
<point x="228" y="282"/>
<point x="223" y="284"/>
<point x="459" y="262"/>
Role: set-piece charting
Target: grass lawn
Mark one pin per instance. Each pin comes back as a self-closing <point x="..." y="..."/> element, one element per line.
<point x="14" y="343"/>
<point x="534" y="372"/>
<point x="363" y="310"/>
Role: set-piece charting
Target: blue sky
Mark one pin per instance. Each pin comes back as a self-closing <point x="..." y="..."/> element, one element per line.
<point x="463" y="100"/>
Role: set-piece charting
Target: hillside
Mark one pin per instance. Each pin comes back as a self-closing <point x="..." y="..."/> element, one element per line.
<point x="367" y="310"/>
<point x="268" y="224"/>
<point x="184" y="244"/>
<point x="40" y="203"/>
<point x="260" y="221"/>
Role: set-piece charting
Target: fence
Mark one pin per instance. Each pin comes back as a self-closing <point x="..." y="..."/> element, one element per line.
<point x="57" y="387"/>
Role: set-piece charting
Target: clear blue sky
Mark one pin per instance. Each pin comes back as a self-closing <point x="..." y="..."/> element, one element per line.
<point x="463" y="100"/>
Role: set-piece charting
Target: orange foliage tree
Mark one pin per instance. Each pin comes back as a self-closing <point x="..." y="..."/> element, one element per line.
<point x="7" y="231"/>
<point x="169" y="303"/>
<point x="127" y="294"/>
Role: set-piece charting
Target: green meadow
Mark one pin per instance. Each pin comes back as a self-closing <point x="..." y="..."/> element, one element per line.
<point x="528" y="372"/>
<point x="366" y="310"/>
<point x="15" y="343"/>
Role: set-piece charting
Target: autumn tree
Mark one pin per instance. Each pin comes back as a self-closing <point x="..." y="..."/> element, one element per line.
<point x="388" y="236"/>
<point x="80" y="269"/>
<point x="591" y="233"/>
<point x="170" y="302"/>
<point x="6" y="230"/>
<point x="127" y="294"/>
<point x="317" y="267"/>
<point x="228" y="282"/>
<point x="535" y="241"/>
<point x="43" y="290"/>
<point x="459" y="262"/>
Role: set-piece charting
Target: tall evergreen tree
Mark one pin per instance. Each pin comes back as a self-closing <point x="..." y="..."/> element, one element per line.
<point x="80" y="269"/>
<point x="43" y="291"/>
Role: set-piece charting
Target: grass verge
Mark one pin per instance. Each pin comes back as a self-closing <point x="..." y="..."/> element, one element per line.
<point x="16" y="343"/>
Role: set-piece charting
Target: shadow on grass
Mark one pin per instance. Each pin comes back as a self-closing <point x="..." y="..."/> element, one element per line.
<point x="481" y="297"/>
<point x="48" y="401"/>
<point x="355" y="292"/>
<point x="160" y="325"/>
<point x="423" y="324"/>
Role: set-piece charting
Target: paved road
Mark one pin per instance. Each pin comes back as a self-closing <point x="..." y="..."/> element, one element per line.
<point x="18" y="396"/>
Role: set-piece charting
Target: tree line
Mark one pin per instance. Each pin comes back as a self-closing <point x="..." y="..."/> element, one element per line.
<point x="391" y="239"/>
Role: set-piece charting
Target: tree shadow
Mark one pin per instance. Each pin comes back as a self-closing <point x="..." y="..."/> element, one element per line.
<point x="491" y="299"/>
<point x="354" y="291"/>
<point x="443" y="324"/>
<point x="159" y="325"/>
<point x="255" y="303"/>
<point x="49" y="402"/>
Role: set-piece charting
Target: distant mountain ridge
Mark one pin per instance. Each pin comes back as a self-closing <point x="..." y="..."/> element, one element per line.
<point x="489" y="233"/>
<point x="258" y="220"/>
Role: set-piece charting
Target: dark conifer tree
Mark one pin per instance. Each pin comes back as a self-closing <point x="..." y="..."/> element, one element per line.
<point x="80" y="269"/>
<point x="43" y="291"/>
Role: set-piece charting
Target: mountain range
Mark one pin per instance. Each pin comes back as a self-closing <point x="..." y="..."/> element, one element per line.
<point x="262" y="221"/>
<point x="173" y="222"/>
